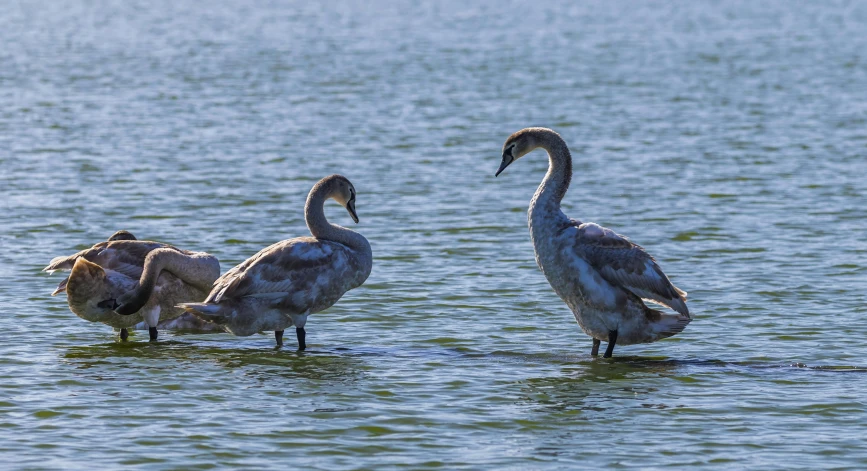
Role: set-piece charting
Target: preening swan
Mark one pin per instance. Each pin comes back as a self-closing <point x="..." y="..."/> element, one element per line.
<point x="602" y="276"/>
<point x="153" y="275"/>
<point x="284" y="283"/>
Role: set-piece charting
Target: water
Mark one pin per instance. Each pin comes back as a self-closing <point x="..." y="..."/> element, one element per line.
<point x="728" y="138"/>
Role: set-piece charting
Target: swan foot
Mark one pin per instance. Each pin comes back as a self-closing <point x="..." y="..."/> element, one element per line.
<point x="153" y="333"/>
<point x="302" y="334"/>
<point x="124" y="334"/>
<point x="595" y="350"/>
<point x="612" y="339"/>
<point x="278" y="336"/>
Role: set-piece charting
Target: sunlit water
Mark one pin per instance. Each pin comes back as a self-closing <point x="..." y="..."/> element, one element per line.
<point x="727" y="138"/>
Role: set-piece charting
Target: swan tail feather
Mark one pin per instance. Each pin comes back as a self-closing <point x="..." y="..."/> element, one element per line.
<point x="65" y="262"/>
<point x="214" y="313"/>
<point x="667" y="325"/>
<point x="61" y="288"/>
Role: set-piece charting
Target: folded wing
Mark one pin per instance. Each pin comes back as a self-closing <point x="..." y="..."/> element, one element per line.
<point x="298" y="267"/>
<point x="627" y="265"/>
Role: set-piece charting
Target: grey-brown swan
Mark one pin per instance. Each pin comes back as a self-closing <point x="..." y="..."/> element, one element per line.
<point x="283" y="284"/>
<point x="602" y="276"/>
<point x="149" y="278"/>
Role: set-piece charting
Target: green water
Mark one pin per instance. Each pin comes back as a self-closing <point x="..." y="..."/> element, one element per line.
<point x="727" y="138"/>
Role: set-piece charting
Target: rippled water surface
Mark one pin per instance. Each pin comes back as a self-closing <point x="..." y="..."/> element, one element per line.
<point x="727" y="138"/>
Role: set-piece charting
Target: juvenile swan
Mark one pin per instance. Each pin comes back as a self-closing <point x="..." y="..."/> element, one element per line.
<point x="602" y="276"/>
<point x="154" y="277"/>
<point x="284" y="283"/>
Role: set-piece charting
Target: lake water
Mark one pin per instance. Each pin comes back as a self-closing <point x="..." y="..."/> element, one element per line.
<point x="727" y="138"/>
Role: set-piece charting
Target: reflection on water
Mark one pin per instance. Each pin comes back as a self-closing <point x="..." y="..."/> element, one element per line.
<point x="252" y="362"/>
<point x="597" y="385"/>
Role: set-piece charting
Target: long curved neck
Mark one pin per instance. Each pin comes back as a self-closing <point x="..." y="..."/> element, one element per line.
<point x="556" y="182"/>
<point x="198" y="269"/>
<point x="320" y="228"/>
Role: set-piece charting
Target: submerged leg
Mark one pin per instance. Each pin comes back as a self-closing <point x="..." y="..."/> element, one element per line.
<point x="278" y="335"/>
<point x="595" y="350"/>
<point x="612" y="339"/>
<point x="153" y="333"/>
<point x="302" y="334"/>
<point x="124" y="334"/>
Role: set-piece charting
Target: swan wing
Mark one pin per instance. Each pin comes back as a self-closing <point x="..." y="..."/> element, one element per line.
<point x="123" y="256"/>
<point x="285" y="269"/>
<point x="627" y="265"/>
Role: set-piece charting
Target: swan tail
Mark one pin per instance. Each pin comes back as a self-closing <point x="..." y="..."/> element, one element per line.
<point x="187" y="322"/>
<point x="61" y="288"/>
<point x="667" y="325"/>
<point x="214" y="313"/>
<point x="65" y="262"/>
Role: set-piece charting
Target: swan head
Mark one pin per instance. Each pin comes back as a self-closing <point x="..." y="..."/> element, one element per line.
<point x="344" y="193"/>
<point x="91" y="290"/>
<point x="520" y="144"/>
<point x="122" y="235"/>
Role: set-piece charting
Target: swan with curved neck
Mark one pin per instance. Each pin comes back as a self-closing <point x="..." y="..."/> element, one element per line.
<point x="154" y="275"/>
<point x="283" y="284"/>
<point x="603" y="277"/>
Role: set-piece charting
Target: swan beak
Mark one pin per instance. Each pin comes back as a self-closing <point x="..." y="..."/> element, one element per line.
<point x="350" y="206"/>
<point x="507" y="160"/>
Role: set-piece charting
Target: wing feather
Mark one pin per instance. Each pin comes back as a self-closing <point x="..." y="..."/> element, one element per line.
<point x="277" y="271"/>
<point x="123" y="256"/>
<point x="627" y="265"/>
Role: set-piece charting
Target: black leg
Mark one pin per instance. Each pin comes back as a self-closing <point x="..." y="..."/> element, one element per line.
<point x="301" y="336"/>
<point x="153" y="332"/>
<point x="612" y="339"/>
<point x="595" y="350"/>
<point x="278" y="335"/>
<point x="124" y="334"/>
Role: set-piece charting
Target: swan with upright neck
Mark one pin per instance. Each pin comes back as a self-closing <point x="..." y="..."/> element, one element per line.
<point x="153" y="276"/>
<point x="283" y="284"/>
<point x="602" y="276"/>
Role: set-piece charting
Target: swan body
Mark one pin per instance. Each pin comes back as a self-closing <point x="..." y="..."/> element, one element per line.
<point x="114" y="269"/>
<point x="602" y="276"/>
<point x="283" y="284"/>
<point x="89" y="286"/>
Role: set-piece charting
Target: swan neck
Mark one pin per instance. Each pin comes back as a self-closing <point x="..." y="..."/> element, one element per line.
<point x="198" y="269"/>
<point x="320" y="228"/>
<point x="556" y="182"/>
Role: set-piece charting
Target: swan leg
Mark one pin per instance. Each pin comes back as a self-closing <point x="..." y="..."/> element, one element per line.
<point x="612" y="339"/>
<point x="595" y="350"/>
<point x="302" y="334"/>
<point x="151" y="316"/>
<point x="124" y="334"/>
<point x="278" y="335"/>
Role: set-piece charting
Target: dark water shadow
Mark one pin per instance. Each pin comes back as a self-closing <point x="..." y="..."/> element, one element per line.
<point x="596" y="385"/>
<point x="572" y="376"/>
<point x="253" y="360"/>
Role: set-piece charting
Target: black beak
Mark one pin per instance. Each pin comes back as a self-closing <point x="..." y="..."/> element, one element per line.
<point x="507" y="160"/>
<point x="350" y="206"/>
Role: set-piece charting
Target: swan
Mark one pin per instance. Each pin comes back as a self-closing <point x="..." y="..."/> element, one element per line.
<point x="149" y="278"/>
<point x="602" y="276"/>
<point x="119" y="235"/>
<point x="283" y="284"/>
